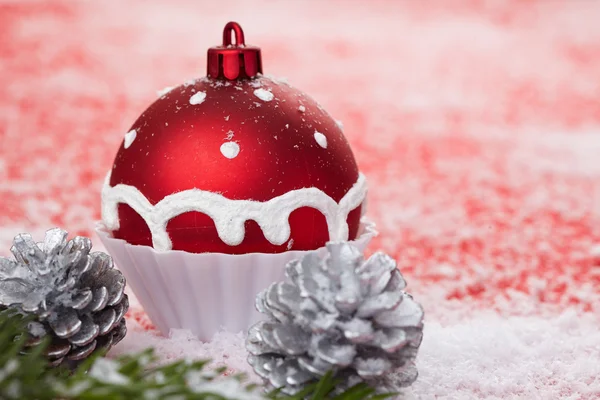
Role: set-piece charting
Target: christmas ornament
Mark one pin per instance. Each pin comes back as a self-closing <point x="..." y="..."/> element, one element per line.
<point x="221" y="182"/>
<point x="338" y="313"/>
<point x="234" y="163"/>
<point x="77" y="297"/>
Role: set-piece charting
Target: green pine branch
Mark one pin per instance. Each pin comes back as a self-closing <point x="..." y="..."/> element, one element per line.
<point x="25" y="375"/>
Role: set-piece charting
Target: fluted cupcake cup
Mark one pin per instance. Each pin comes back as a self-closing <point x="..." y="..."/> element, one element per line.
<point x="203" y="292"/>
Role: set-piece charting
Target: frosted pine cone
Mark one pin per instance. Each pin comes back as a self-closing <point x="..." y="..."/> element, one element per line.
<point x="76" y="296"/>
<point x="340" y="313"/>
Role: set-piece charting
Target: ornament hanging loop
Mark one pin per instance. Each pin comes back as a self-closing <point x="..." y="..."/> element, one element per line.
<point x="233" y="61"/>
<point x="239" y="34"/>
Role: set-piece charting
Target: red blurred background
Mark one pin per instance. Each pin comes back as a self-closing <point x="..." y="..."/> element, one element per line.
<point x="475" y="122"/>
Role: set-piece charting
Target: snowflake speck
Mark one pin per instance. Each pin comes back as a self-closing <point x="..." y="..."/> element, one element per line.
<point x="263" y="94"/>
<point x="198" y="98"/>
<point x="164" y="91"/>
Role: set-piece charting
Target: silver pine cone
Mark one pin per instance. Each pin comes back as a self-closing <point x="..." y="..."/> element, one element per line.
<point x="339" y="313"/>
<point x="77" y="297"/>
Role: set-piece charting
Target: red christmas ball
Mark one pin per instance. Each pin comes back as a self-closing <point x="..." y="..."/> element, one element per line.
<point x="229" y="144"/>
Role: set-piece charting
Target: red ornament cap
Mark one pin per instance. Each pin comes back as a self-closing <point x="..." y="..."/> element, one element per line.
<point x="233" y="61"/>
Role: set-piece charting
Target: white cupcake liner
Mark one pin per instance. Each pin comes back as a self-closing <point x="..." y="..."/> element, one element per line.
<point x="203" y="292"/>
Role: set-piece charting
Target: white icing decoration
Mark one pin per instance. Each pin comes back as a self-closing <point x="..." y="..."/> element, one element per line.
<point x="264" y="95"/>
<point x="301" y="108"/>
<point x="198" y="98"/>
<point x="163" y="91"/>
<point x="129" y="138"/>
<point x="230" y="149"/>
<point x="230" y="215"/>
<point x="321" y="139"/>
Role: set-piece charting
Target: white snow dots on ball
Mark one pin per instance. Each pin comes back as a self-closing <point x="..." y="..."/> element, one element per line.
<point x="129" y="138"/>
<point x="198" y="98"/>
<point x="230" y="149"/>
<point x="321" y="139"/>
<point x="264" y="95"/>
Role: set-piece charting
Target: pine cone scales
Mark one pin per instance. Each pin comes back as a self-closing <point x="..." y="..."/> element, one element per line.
<point x="340" y="313"/>
<point x="77" y="296"/>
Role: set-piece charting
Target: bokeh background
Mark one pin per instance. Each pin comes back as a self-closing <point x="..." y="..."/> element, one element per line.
<point x="477" y="124"/>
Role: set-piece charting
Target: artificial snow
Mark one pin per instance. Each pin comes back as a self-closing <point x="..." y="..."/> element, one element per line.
<point x="230" y="149"/>
<point x="224" y="388"/>
<point x="494" y="355"/>
<point x="129" y="138"/>
<point x="164" y="91"/>
<point x="595" y="253"/>
<point x="106" y="370"/>
<point x="321" y="139"/>
<point x="301" y="108"/>
<point x="197" y="98"/>
<point x="224" y="349"/>
<point x="263" y="94"/>
<point x="483" y="186"/>
<point x="282" y="80"/>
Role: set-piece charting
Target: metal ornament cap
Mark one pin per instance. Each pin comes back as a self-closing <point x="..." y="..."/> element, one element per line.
<point x="233" y="61"/>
